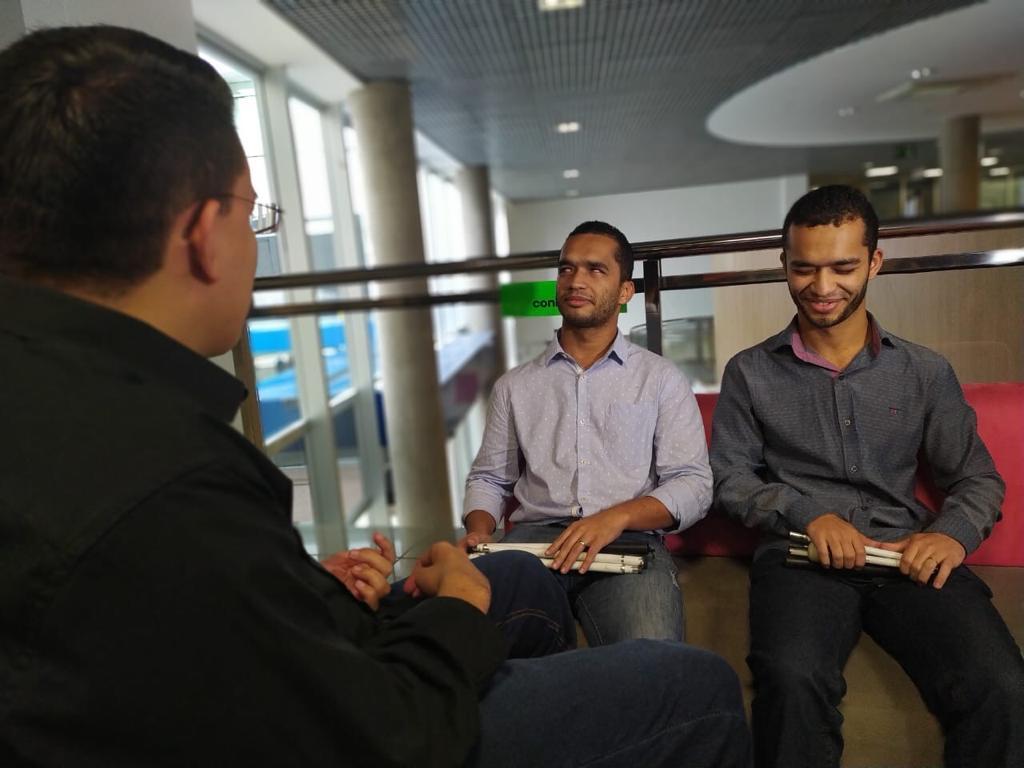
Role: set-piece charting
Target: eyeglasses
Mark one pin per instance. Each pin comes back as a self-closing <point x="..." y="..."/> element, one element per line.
<point x="265" y="217"/>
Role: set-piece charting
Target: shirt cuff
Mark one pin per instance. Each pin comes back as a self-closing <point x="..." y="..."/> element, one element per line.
<point x="802" y="513"/>
<point x="957" y="528"/>
<point x="471" y="636"/>
<point x="490" y="501"/>
<point x="681" y="503"/>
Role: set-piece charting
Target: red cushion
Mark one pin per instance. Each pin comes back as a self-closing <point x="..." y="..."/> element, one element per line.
<point x="1000" y="409"/>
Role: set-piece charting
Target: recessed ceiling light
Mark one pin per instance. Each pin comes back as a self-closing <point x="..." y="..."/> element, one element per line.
<point x="1000" y="171"/>
<point x="920" y="74"/>
<point x="932" y="173"/>
<point x="989" y="161"/>
<point x="571" y="173"/>
<point x="559" y="5"/>
<point x="572" y="193"/>
<point x="881" y="170"/>
<point x="570" y="127"/>
<point x="846" y="111"/>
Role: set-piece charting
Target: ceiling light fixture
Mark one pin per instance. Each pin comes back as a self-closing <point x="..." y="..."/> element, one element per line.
<point x="846" y="111"/>
<point x="881" y="170"/>
<point x="559" y="5"/>
<point x="1000" y="171"/>
<point x="932" y="173"/>
<point x="989" y="161"/>
<point x="921" y="74"/>
<point x="570" y="127"/>
<point x="571" y="173"/>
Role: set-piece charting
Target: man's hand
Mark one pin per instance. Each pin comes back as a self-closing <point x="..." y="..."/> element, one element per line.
<point x="590" y="534"/>
<point x="925" y="554"/>
<point x="446" y="571"/>
<point x="479" y="530"/>
<point x="839" y="544"/>
<point x="364" y="572"/>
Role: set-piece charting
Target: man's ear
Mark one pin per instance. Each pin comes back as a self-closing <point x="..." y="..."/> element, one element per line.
<point x="875" y="263"/>
<point x="201" y="241"/>
<point x="782" y="258"/>
<point x="626" y="291"/>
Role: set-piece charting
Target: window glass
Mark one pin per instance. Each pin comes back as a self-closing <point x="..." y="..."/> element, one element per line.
<point x="314" y="185"/>
<point x="244" y="87"/>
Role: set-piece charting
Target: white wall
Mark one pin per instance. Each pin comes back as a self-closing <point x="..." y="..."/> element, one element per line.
<point x="712" y="209"/>
<point x="170" y="20"/>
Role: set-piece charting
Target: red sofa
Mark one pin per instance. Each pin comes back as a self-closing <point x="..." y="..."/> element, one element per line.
<point x="1000" y="410"/>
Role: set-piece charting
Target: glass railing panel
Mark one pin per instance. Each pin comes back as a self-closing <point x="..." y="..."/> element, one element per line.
<point x="354" y="410"/>
<point x="274" y="365"/>
<point x="292" y="461"/>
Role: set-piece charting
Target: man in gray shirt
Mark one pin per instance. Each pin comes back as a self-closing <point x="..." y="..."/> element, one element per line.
<point x="818" y="430"/>
<point x="595" y="440"/>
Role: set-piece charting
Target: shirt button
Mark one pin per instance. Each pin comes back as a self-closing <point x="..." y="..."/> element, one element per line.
<point x="853" y="468"/>
<point x="847" y="422"/>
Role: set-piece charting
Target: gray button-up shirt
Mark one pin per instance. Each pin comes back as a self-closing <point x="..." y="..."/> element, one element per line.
<point x="794" y="438"/>
<point x="571" y="442"/>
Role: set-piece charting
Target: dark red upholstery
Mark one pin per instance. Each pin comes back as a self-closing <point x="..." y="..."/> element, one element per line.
<point x="1000" y="409"/>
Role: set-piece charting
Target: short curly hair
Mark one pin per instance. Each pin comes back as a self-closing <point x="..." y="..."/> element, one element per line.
<point x="623" y="251"/>
<point x="834" y="204"/>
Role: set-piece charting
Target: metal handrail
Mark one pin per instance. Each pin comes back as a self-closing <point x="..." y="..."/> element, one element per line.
<point x="908" y="265"/>
<point x="658" y="249"/>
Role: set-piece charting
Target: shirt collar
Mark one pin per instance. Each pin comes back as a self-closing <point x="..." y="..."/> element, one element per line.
<point x="790" y="337"/>
<point x="36" y="312"/>
<point x="618" y="351"/>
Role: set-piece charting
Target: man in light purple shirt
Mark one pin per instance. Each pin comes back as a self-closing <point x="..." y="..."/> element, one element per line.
<point x="595" y="440"/>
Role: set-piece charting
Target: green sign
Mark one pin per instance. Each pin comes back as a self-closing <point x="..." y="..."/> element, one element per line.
<point x="531" y="299"/>
<point x="528" y="299"/>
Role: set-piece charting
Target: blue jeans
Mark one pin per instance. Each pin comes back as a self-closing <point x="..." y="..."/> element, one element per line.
<point x="647" y="703"/>
<point x="951" y="642"/>
<point x="616" y="607"/>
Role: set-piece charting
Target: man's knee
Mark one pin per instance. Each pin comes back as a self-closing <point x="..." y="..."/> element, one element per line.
<point x="779" y="675"/>
<point x="694" y="671"/>
<point x="998" y="689"/>
<point x="514" y="567"/>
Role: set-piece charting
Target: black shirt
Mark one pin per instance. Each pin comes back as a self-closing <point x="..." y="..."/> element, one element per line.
<point x="156" y="605"/>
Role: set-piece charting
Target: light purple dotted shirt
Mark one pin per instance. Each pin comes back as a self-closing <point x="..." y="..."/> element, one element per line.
<point x="569" y="442"/>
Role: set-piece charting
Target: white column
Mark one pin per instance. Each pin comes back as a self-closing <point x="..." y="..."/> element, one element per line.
<point x="382" y="116"/>
<point x="12" y="22"/>
<point x="474" y="185"/>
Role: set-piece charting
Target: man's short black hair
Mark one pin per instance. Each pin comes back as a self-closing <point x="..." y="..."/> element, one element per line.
<point x="106" y="134"/>
<point x="624" y="251"/>
<point x="835" y="204"/>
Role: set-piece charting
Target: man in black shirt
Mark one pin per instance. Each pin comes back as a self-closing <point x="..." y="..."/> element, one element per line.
<point x="156" y="605"/>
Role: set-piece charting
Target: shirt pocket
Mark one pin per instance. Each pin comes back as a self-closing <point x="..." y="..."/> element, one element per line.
<point x="629" y="434"/>
<point x="891" y="430"/>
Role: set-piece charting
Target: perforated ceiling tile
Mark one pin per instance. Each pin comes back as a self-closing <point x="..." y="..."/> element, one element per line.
<point x="492" y="78"/>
